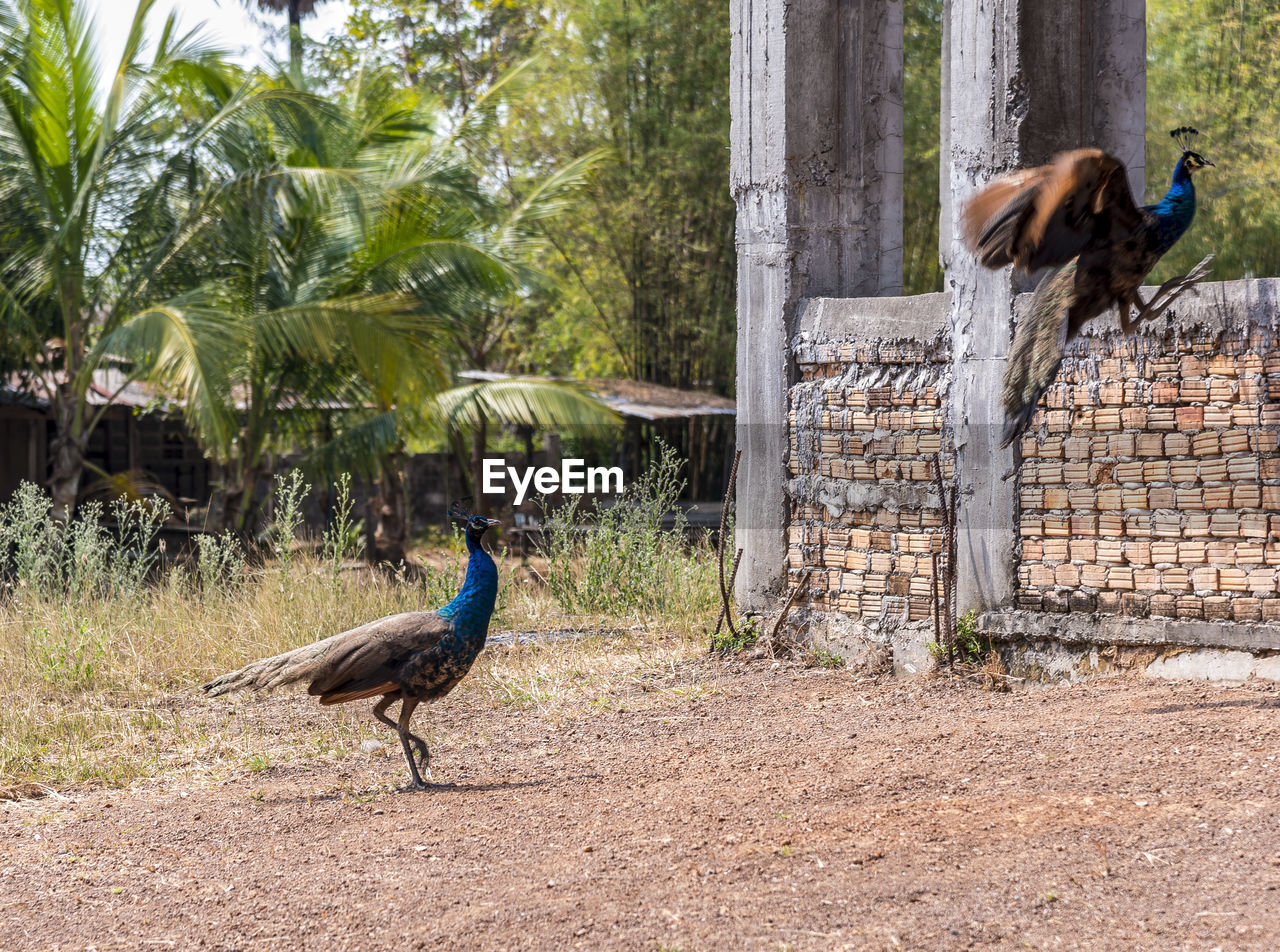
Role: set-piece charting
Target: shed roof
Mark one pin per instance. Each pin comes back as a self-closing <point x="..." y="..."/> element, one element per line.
<point x="638" y="400"/>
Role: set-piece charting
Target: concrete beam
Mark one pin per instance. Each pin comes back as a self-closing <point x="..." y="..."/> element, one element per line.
<point x="1078" y="629"/>
<point x="816" y="172"/>
<point x="1027" y="79"/>
<point x="921" y="317"/>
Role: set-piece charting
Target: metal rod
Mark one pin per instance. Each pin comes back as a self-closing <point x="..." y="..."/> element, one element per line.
<point x="732" y="577"/>
<point x="777" y="625"/>
<point x="725" y="606"/>
<point x="947" y="502"/>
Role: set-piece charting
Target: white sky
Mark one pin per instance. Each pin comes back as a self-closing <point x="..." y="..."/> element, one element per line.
<point x="228" y="23"/>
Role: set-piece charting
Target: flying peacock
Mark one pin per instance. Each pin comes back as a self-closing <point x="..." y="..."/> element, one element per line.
<point x="1077" y="216"/>
<point x="410" y="658"/>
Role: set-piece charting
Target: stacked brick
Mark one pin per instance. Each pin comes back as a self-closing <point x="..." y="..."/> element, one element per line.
<point x="866" y="425"/>
<point x="1151" y="480"/>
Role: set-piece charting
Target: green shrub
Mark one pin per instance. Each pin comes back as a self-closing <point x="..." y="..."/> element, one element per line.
<point x="220" y="562"/>
<point x="69" y="658"/>
<point x="618" y="559"/>
<point x="82" y="558"/>
<point x="343" y="539"/>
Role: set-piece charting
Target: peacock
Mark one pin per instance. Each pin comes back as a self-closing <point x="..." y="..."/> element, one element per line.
<point x="1077" y="216"/>
<point x="410" y="657"/>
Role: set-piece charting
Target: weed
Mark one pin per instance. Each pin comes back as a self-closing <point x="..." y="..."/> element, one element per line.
<point x="971" y="647"/>
<point x="622" y="559"/>
<point x="69" y="658"/>
<point x="826" y="659"/>
<point x="28" y="528"/>
<point x="81" y="558"/>
<point x="287" y="520"/>
<point x="135" y="554"/>
<point x="726" y="643"/>
<point x="219" y="562"/>
<point x="343" y="538"/>
<point x="440" y="583"/>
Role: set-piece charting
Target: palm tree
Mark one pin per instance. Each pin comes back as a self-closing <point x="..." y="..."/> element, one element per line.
<point x="320" y="231"/>
<point x="81" y="154"/>
<point x="338" y="242"/>
<point x="297" y="10"/>
<point x="470" y="314"/>
<point x="433" y="236"/>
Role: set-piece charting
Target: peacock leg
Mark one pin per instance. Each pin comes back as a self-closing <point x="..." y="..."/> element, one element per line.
<point x="1171" y="290"/>
<point x="379" y="709"/>
<point x="407" y="706"/>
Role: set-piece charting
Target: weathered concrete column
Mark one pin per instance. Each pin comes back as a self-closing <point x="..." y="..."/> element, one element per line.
<point x="816" y="93"/>
<point x="1027" y="79"/>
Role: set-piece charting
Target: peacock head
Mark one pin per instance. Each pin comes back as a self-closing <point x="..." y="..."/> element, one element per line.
<point x="1192" y="160"/>
<point x="473" y="526"/>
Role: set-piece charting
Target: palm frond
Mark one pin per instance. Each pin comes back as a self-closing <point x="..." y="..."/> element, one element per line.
<point x="550" y="197"/>
<point x="358" y="447"/>
<point x="520" y="400"/>
<point x="481" y="119"/>
<point x="318" y="329"/>
<point x="190" y="351"/>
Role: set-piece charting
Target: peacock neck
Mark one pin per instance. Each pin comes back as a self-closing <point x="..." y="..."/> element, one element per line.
<point x="1175" y="211"/>
<point x="472" y="607"/>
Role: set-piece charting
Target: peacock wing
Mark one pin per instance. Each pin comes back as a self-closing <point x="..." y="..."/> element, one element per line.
<point x="371" y="655"/>
<point x="1046" y="216"/>
<point x="1083" y="203"/>
<point x="1038" y="345"/>
<point x="989" y="220"/>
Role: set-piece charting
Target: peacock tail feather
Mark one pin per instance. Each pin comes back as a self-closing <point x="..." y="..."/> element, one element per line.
<point x="1038" y="345"/>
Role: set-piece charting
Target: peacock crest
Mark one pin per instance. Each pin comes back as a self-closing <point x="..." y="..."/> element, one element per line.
<point x="1185" y="137"/>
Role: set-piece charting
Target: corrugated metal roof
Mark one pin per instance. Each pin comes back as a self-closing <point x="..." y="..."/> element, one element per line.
<point x="639" y="400"/>
<point x="109" y="385"/>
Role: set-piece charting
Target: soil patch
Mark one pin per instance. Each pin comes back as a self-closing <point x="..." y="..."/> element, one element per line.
<point x="727" y="806"/>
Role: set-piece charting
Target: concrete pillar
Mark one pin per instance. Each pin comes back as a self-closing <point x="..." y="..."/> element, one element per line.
<point x="1120" y="84"/>
<point x="1088" y="84"/>
<point x="1027" y="79"/>
<point x="816" y="152"/>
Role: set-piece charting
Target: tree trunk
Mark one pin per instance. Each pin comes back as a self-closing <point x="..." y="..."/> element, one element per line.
<point x="65" y="472"/>
<point x="390" y="536"/>
<point x="479" y="442"/>
<point x="233" y="504"/>
<point x="66" y="452"/>
<point x="295" y="38"/>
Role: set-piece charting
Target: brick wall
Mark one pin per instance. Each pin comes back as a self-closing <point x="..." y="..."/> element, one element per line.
<point x="1150" y="482"/>
<point x="866" y="423"/>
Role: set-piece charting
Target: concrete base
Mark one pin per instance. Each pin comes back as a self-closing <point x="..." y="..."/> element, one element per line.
<point x="1051" y="662"/>
<point x="1103" y="630"/>
<point x="886" y="644"/>
<point x="1038" y="648"/>
<point x="1050" y="647"/>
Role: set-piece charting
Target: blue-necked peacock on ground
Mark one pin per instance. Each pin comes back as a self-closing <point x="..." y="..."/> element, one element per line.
<point x="1077" y="216"/>
<point x="410" y="658"/>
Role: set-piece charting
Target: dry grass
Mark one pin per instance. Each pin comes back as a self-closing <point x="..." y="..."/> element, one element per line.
<point x="105" y="691"/>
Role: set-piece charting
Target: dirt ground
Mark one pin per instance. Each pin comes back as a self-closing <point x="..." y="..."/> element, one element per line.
<point x="729" y="806"/>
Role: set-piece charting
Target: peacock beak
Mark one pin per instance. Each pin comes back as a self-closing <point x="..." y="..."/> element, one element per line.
<point x="490" y="523"/>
